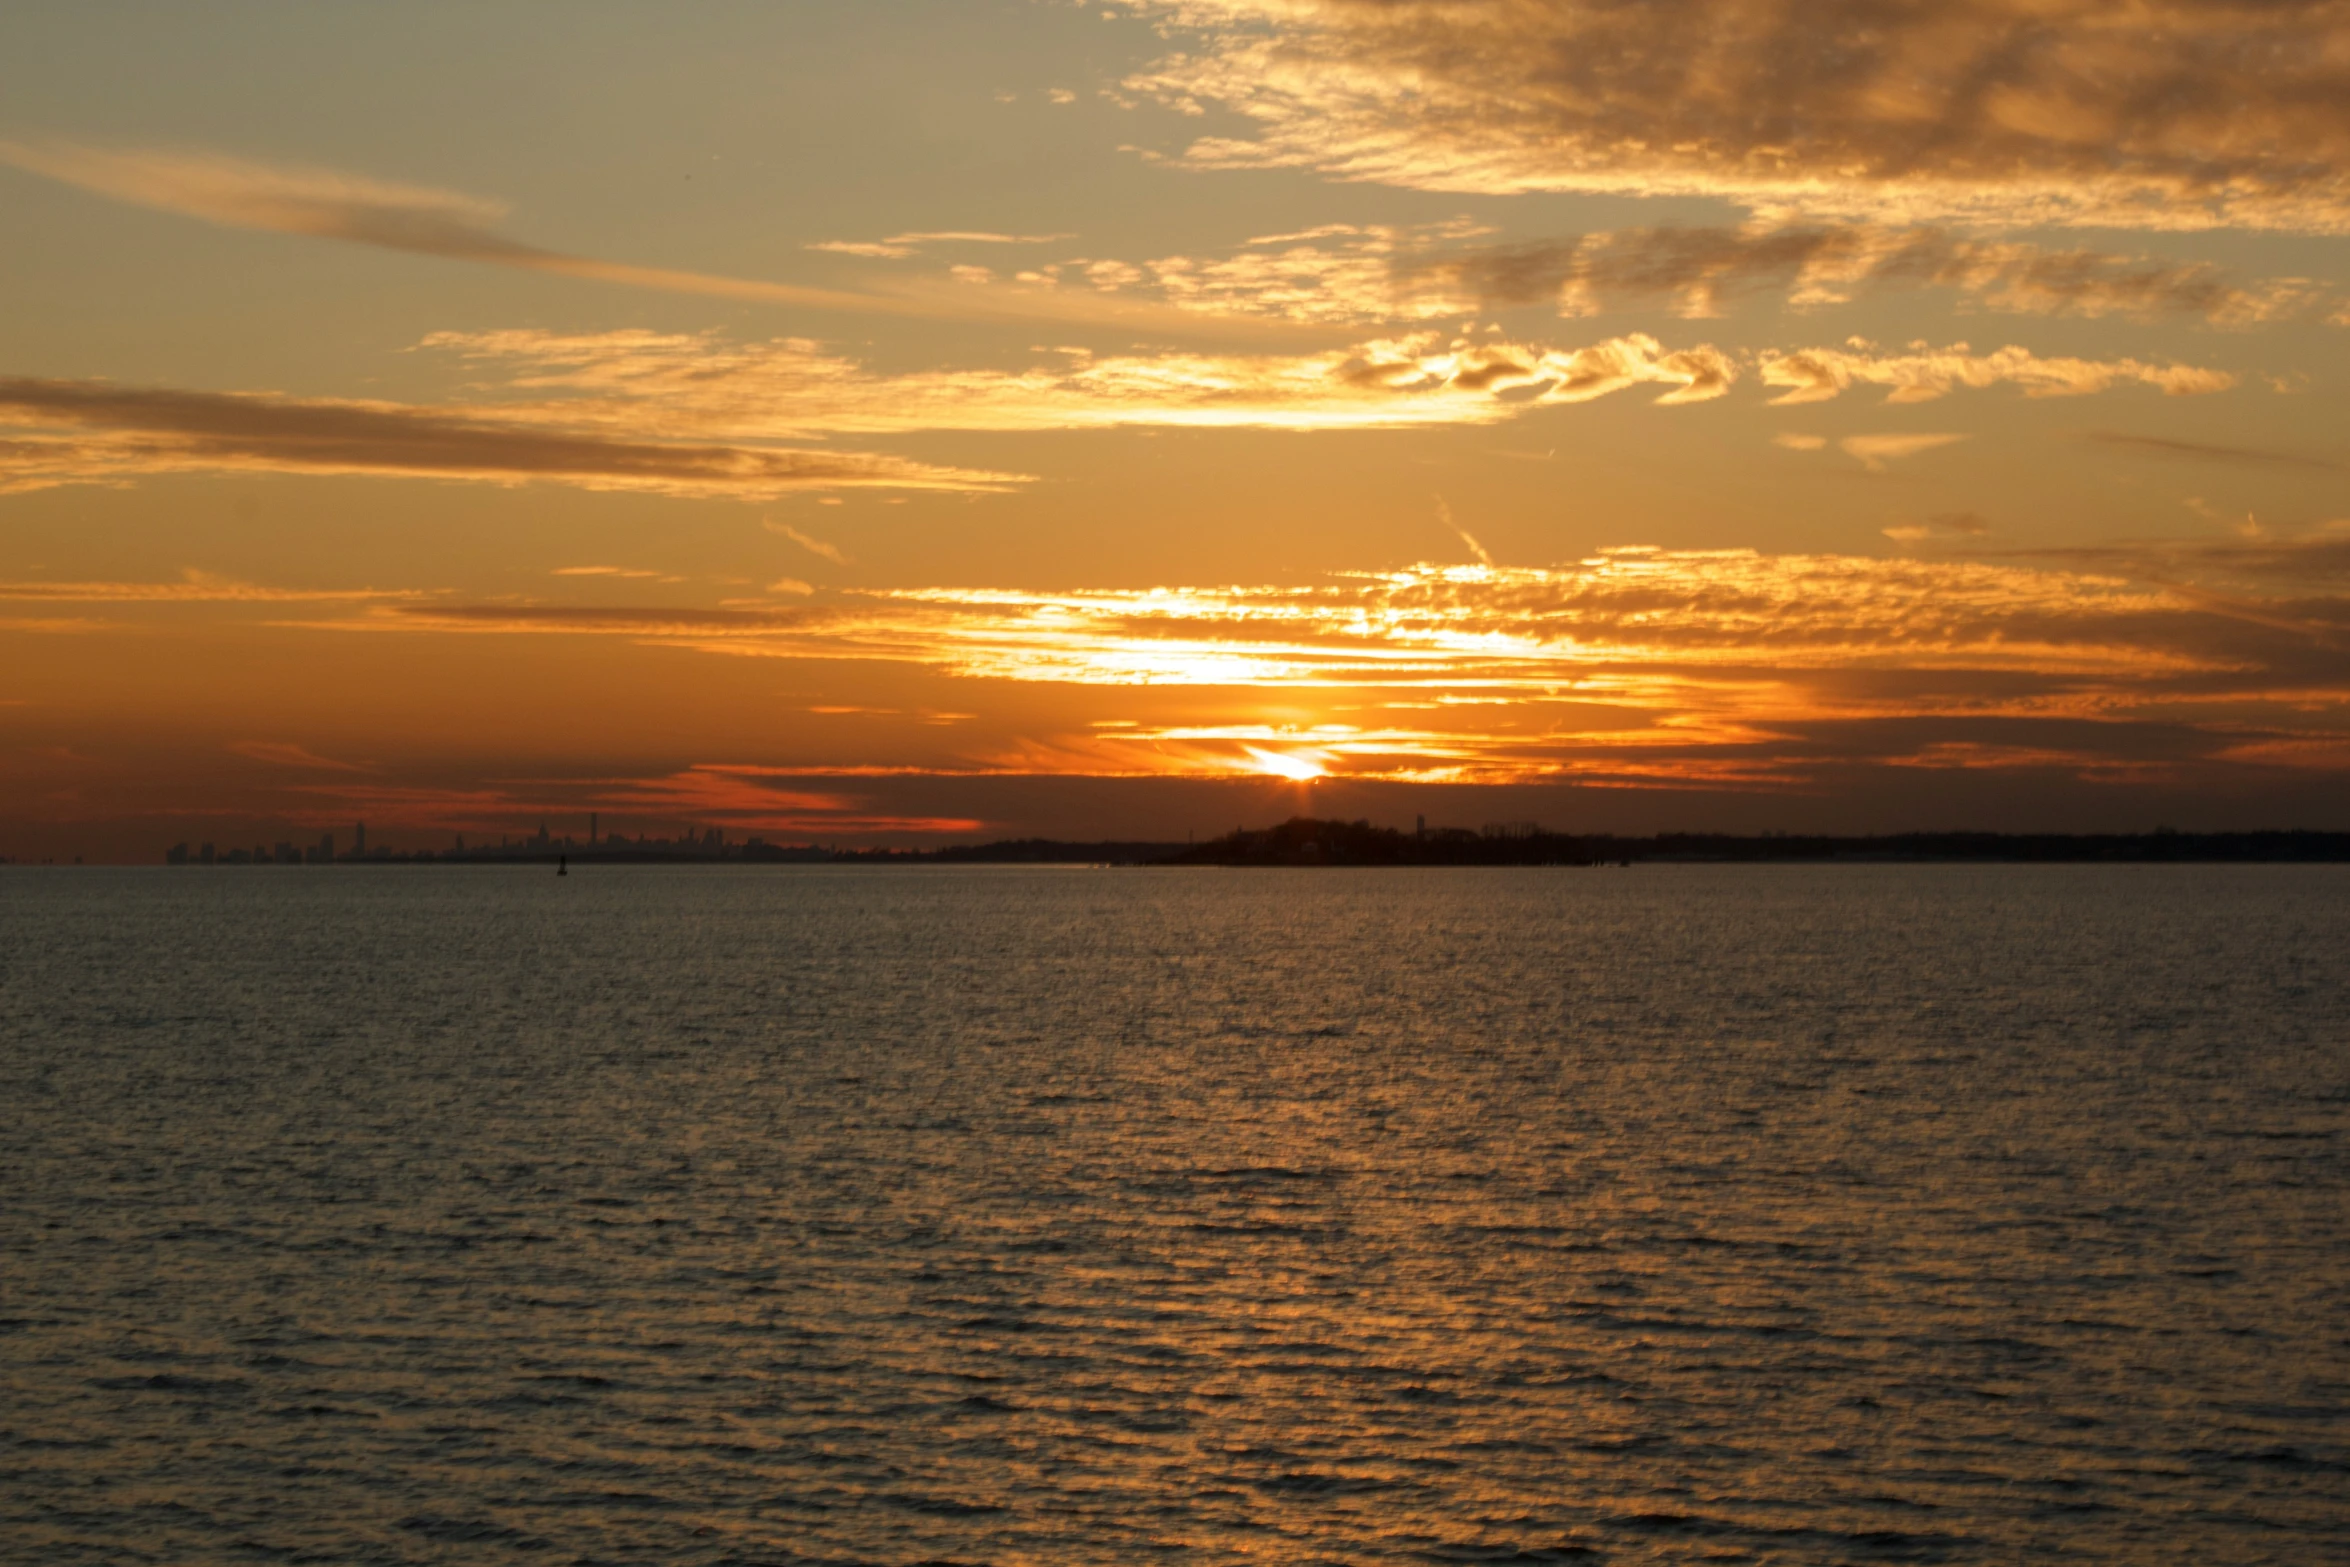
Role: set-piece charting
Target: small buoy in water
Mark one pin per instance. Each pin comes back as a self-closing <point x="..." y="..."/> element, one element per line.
<point x="562" y="864"/>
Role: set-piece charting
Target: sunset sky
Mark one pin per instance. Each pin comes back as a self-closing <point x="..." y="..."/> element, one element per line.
<point x="911" y="421"/>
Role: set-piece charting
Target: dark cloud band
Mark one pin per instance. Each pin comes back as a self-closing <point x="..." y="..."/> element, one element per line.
<point x="111" y="432"/>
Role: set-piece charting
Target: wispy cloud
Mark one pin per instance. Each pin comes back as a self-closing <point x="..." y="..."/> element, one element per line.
<point x="1942" y="525"/>
<point x="1875" y="451"/>
<point x="697" y="416"/>
<point x="628" y="573"/>
<point x="194" y="587"/>
<point x="1444" y="511"/>
<point x="762" y="799"/>
<point x="2301" y="578"/>
<point x="284" y="753"/>
<point x="815" y="547"/>
<point x="50" y="625"/>
<point x="1921" y="374"/>
<point x="330" y="204"/>
<point x="1339" y="274"/>
<point x="899" y="246"/>
<point x="2205" y="451"/>
<point x="2007" y="111"/>
<point x="80" y="432"/>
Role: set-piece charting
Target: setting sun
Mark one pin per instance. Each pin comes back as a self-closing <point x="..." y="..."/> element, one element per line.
<point x="1296" y="766"/>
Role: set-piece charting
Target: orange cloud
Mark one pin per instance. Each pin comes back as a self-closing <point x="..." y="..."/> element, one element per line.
<point x="629" y="573"/>
<point x="194" y="587"/>
<point x="1635" y="667"/>
<point x="1459" y="628"/>
<point x="899" y="246"/>
<point x="1636" y="664"/>
<point x="689" y="386"/>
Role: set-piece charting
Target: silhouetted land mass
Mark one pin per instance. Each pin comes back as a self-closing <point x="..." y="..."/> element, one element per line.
<point x="1304" y="841"/>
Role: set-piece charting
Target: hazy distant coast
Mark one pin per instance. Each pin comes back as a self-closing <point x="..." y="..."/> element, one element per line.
<point x="1305" y="841"/>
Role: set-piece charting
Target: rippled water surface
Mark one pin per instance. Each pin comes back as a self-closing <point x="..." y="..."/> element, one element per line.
<point x="1968" y="1214"/>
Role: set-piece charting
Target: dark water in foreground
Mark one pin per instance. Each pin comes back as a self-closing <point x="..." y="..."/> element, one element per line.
<point x="1967" y="1214"/>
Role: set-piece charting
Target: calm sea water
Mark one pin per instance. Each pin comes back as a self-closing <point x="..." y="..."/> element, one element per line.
<point x="1966" y="1214"/>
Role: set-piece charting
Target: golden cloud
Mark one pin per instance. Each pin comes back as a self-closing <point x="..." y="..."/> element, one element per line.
<point x="685" y="385"/>
<point x="792" y="387"/>
<point x="1702" y="270"/>
<point x="899" y="246"/>
<point x="2166" y="114"/>
<point x="1814" y="375"/>
<point x="1355" y="274"/>
<point x="1875" y="451"/>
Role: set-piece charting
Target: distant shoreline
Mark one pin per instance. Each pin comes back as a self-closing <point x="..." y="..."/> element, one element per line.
<point x="1305" y="842"/>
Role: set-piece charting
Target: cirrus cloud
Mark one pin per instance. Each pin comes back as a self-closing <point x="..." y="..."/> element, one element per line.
<point x="331" y="204"/>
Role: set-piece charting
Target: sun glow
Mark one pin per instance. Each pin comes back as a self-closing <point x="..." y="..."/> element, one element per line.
<point x="1634" y="667"/>
<point x="1296" y="766"/>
